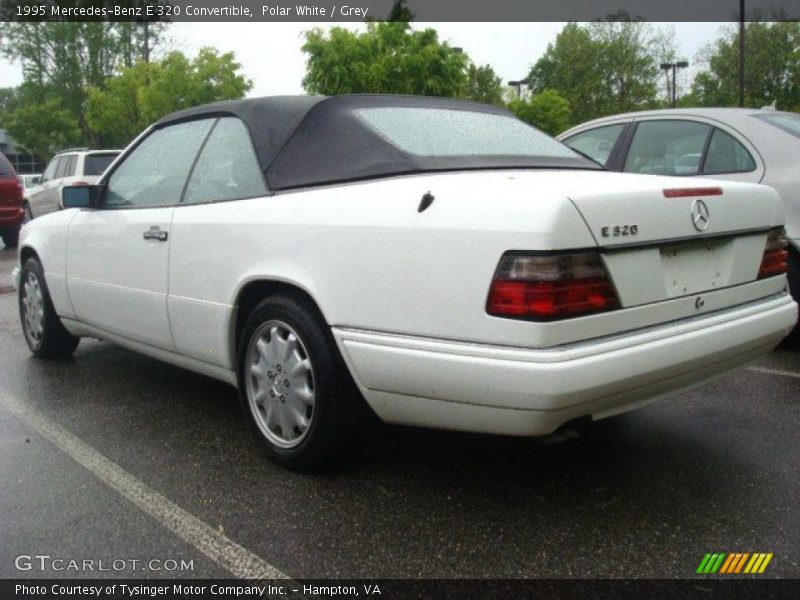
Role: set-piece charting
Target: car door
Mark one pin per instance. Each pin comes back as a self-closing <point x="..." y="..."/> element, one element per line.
<point x="37" y="197"/>
<point x="201" y="272"/>
<point x="117" y="255"/>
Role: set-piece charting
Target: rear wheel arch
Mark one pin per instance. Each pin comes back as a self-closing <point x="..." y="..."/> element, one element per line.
<point x="249" y="296"/>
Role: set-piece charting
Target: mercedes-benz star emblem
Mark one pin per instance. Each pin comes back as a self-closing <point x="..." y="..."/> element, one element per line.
<point x="700" y="216"/>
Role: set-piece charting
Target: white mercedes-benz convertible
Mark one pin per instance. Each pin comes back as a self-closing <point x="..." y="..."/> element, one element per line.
<point x="438" y="259"/>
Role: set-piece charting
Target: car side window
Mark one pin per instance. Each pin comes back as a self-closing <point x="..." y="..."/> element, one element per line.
<point x="596" y="143"/>
<point x="61" y="169"/>
<point x="69" y="168"/>
<point x="50" y="171"/>
<point x="155" y="171"/>
<point x="227" y="168"/>
<point x="667" y="147"/>
<point x="727" y="155"/>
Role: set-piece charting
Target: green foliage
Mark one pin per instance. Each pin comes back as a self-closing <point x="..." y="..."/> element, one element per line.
<point x="144" y="93"/>
<point x="400" y="13"/>
<point x="772" y="67"/>
<point x="547" y="111"/>
<point x="603" y="68"/>
<point x="60" y="62"/>
<point x="483" y="85"/>
<point x="389" y="58"/>
<point x="45" y="127"/>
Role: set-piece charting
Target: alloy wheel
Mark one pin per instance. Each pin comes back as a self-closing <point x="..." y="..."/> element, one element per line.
<point x="279" y="379"/>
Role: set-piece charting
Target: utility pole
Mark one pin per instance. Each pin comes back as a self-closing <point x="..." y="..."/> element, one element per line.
<point x="741" y="53"/>
<point x="147" y="41"/>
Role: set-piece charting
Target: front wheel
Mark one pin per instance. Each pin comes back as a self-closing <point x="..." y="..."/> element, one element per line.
<point x="11" y="238"/>
<point x="295" y="389"/>
<point x="44" y="332"/>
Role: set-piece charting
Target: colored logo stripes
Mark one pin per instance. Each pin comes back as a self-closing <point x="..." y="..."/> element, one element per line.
<point x="734" y="562"/>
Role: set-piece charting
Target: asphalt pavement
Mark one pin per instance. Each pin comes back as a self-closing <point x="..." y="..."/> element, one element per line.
<point x="111" y="456"/>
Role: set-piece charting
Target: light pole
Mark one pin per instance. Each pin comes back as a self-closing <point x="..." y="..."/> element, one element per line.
<point x="518" y="85"/>
<point x="681" y="64"/>
<point x="741" y="53"/>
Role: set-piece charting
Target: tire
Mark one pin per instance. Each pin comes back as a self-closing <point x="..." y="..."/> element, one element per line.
<point x="43" y="330"/>
<point x="295" y="389"/>
<point x="11" y="238"/>
<point x="28" y="213"/>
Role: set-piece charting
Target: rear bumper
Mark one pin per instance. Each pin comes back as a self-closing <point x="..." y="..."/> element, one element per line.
<point x="11" y="217"/>
<point x="517" y="391"/>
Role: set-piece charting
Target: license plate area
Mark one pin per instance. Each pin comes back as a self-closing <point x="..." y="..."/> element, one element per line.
<point x="697" y="266"/>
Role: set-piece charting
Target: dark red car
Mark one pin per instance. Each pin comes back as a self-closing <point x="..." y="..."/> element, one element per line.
<point x="11" y="212"/>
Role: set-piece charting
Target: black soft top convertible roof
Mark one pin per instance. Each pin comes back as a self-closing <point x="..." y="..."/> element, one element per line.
<point x="305" y="141"/>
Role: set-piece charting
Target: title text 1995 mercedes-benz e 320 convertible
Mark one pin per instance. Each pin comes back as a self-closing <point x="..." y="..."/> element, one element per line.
<point x="438" y="259"/>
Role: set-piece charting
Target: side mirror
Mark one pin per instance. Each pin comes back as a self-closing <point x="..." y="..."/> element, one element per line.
<point x="81" y="196"/>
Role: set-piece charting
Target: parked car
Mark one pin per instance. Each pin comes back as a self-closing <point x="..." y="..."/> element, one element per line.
<point x="69" y="167"/>
<point x="30" y="180"/>
<point x="439" y="259"/>
<point x="10" y="203"/>
<point x="759" y="146"/>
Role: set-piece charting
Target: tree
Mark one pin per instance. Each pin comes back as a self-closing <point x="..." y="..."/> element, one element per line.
<point x="546" y="111"/>
<point x="400" y="13"/>
<point x="144" y="93"/>
<point x="602" y="68"/>
<point x="389" y="58"/>
<point x="772" y="67"/>
<point x="483" y="85"/>
<point x="61" y="60"/>
<point x="42" y="128"/>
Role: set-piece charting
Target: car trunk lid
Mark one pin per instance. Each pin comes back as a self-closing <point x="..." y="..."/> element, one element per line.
<point x="672" y="239"/>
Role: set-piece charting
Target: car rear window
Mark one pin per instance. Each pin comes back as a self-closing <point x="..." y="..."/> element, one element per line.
<point x="789" y="122"/>
<point x="6" y="170"/>
<point x="439" y="132"/>
<point x="95" y="164"/>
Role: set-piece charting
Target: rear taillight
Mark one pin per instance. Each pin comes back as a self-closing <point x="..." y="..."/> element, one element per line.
<point x="776" y="254"/>
<point x="550" y="286"/>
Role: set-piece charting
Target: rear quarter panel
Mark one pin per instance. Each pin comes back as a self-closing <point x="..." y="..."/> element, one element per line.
<point x="366" y="255"/>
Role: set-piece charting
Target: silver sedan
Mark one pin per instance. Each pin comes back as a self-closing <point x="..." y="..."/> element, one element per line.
<point x="741" y="144"/>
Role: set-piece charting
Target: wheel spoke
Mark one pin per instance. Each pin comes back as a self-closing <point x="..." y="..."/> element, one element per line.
<point x="300" y="368"/>
<point x="297" y="418"/>
<point x="305" y="394"/>
<point x="264" y="350"/>
<point x="270" y="418"/>
<point x="257" y="371"/>
<point x="260" y="396"/>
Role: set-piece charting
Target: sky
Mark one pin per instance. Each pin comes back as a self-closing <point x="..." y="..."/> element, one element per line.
<point x="271" y="57"/>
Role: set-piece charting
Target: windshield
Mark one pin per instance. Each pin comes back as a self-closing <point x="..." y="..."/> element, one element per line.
<point x="95" y="164"/>
<point x="436" y="132"/>
<point x="789" y="122"/>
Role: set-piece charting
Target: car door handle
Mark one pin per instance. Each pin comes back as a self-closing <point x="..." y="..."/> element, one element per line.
<point x="155" y="233"/>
